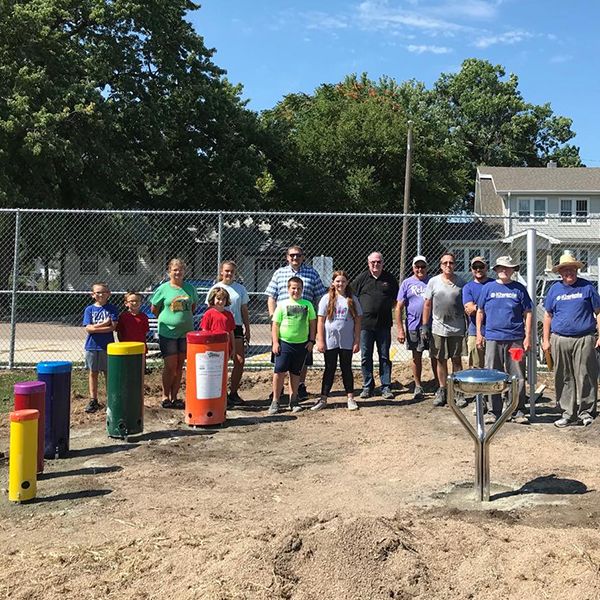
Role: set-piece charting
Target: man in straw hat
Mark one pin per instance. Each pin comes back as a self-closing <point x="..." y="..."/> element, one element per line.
<point x="506" y="307"/>
<point x="571" y="321"/>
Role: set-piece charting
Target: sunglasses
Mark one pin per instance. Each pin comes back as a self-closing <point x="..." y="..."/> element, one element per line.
<point x="420" y="266"/>
<point x="295" y="255"/>
<point x="477" y="267"/>
<point x="448" y="262"/>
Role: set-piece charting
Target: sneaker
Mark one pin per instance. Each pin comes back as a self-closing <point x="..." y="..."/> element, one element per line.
<point x="418" y="393"/>
<point x="562" y="422"/>
<point x="440" y="397"/>
<point x="352" y="405"/>
<point x="460" y="400"/>
<point x="92" y="406"/>
<point x="586" y="420"/>
<point x="302" y="393"/>
<point x="319" y="404"/>
<point x="387" y="394"/>
<point x="490" y="418"/>
<point x="366" y="393"/>
<point x="520" y="417"/>
<point x="233" y="399"/>
<point x="294" y="406"/>
<point x="274" y="408"/>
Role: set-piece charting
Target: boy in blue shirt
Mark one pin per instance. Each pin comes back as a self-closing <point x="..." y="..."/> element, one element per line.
<point x="99" y="320"/>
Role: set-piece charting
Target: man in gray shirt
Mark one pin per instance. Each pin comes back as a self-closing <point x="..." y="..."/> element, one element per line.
<point x="443" y="297"/>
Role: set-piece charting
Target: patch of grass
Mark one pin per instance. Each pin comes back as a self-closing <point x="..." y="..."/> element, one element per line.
<point x="79" y="385"/>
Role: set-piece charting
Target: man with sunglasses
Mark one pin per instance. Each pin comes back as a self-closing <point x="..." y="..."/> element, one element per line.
<point x="410" y="298"/>
<point x="470" y="297"/>
<point x="313" y="290"/>
<point x="443" y="300"/>
<point x="377" y="290"/>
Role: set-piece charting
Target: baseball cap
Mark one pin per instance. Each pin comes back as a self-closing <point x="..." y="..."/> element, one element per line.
<point x="419" y="258"/>
<point x="479" y="259"/>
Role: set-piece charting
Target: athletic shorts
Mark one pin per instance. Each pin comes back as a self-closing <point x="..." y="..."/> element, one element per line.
<point x="95" y="360"/>
<point x="308" y="361"/>
<point x="443" y="347"/>
<point x="290" y="358"/>
<point x="171" y="346"/>
<point x="238" y="332"/>
<point x="414" y="341"/>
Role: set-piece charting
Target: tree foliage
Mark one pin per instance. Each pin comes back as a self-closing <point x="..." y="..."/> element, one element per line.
<point x="118" y="103"/>
<point x="344" y="147"/>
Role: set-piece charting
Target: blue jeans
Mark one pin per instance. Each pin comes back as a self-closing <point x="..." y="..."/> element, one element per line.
<point x="383" y="339"/>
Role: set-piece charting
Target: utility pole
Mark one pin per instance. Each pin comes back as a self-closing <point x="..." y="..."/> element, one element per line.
<point x="407" y="175"/>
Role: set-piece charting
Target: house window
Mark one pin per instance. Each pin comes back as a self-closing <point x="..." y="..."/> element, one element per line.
<point x="574" y="210"/>
<point x="128" y="261"/>
<point x="88" y="265"/>
<point x="532" y="210"/>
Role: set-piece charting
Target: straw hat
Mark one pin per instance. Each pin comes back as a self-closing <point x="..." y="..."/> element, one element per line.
<point x="506" y="261"/>
<point x="567" y="260"/>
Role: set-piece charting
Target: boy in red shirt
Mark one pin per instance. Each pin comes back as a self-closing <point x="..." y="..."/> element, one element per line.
<point x="133" y="324"/>
<point x="217" y="319"/>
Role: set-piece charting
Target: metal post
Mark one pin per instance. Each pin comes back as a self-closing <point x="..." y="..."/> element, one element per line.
<point x="220" y="243"/>
<point x="481" y="438"/>
<point x="419" y="251"/>
<point x="599" y="274"/>
<point x="531" y="288"/>
<point x="407" y="175"/>
<point x="13" y="307"/>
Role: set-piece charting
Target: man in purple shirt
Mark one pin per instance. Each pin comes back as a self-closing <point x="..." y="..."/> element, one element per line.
<point x="410" y="298"/>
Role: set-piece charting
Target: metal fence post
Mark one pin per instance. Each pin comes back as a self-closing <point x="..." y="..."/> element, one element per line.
<point x="13" y="307"/>
<point x="220" y="243"/>
<point x="419" y="235"/>
<point x="531" y="288"/>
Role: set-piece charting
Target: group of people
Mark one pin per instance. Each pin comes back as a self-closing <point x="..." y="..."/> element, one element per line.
<point x="488" y="319"/>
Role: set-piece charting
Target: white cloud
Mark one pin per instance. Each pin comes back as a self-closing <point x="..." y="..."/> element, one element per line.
<point x="321" y="20"/>
<point x="507" y="38"/>
<point x="559" y="59"/>
<point x="423" y="48"/>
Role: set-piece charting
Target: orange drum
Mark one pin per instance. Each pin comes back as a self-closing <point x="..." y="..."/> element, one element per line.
<point x="206" y="378"/>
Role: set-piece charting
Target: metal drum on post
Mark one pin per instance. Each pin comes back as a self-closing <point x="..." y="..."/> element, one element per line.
<point x="32" y="395"/>
<point x="206" y="378"/>
<point x="23" y="452"/>
<point x="125" y="389"/>
<point x="57" y="377"/>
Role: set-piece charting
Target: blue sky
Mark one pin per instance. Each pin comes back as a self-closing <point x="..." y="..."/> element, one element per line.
<point x="276" y="47"/>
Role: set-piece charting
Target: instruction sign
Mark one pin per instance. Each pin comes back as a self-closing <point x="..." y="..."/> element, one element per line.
<point x="209" y="374"/>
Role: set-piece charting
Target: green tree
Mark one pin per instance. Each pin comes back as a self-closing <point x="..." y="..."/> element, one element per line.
<point x="344" y="148"/>
<point x="487" y="116"/>
<point x="116" y="103"/>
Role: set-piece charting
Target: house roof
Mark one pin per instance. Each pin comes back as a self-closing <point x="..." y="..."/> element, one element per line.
<point x="541" y="179"/>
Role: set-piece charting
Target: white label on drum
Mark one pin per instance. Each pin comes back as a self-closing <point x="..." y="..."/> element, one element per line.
<point x="209" y="374"/>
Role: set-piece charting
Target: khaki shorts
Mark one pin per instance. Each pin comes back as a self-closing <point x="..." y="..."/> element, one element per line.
<point x="476" y="355"/>
<point x="442" y="347"/>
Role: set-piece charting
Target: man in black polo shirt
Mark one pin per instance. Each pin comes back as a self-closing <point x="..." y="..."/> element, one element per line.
<point x="377" y="291"/>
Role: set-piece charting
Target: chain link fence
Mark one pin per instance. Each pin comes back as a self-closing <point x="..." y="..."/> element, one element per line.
<point x="50" y="258"/>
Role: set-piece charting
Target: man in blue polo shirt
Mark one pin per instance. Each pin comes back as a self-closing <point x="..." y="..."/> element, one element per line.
<point x="313" y="290"/>
<point x="571" y="321"/>
<point x="506" y="307"/>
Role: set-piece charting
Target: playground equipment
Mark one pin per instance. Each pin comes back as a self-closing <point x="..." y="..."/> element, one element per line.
<point x="206" y="378"/>
<point x="32" y="395"/>
<point x="482" y="382"/>
<point x="125" y="389"/>
<point x="57" y="377"/>
<point x="23" y="452"/>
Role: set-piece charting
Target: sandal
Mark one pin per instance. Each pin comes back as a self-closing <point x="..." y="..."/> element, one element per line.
<point x="166" y="403"/>
<point x="178" y="404"/>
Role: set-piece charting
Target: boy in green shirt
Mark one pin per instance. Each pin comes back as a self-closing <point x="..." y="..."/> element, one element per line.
<point x="293" y="335"/>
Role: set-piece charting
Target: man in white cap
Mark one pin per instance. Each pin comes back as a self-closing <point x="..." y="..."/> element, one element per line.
<point x="506" y="308"/>
<point x="571" y="321"/>
<point x="470" y="295"/>
<point x="410" y="299"/>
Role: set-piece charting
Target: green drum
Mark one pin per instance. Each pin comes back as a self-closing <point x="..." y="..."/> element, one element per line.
<point x="125" y="389"/>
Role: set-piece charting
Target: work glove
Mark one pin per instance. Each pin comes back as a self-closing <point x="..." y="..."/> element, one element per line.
<point x="425" y="332"/>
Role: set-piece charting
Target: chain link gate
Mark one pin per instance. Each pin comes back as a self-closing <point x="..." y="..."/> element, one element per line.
<point x="50" y="258"/>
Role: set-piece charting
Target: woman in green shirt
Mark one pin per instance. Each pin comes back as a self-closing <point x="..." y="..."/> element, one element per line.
<point x="174" y="303"/>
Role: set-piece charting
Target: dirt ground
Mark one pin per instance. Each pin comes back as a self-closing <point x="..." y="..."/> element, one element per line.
<point x="374" y="504"/>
